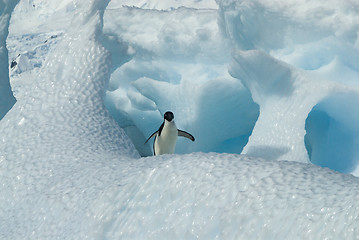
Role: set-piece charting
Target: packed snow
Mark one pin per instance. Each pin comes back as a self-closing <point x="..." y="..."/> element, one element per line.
<point x="271" y="80"/>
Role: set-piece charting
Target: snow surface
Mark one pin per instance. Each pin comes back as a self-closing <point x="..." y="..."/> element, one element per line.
<point x="242" y="76"/>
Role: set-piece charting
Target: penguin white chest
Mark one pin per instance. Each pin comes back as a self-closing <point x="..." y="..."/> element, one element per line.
<point x="166" y="142"/>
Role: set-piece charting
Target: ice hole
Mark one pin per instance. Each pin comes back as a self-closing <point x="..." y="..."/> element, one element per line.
<point x="331" y="133"/>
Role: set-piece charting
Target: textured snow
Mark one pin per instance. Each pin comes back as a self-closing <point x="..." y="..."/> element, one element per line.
<point x="69" y="170"/>
<point x="209" y="196"/>
<point x="57" y="127"/>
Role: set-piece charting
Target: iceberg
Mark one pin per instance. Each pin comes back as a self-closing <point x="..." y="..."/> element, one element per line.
<point x="272" y="107"/>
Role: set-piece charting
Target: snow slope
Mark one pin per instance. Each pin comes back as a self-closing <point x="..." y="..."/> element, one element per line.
<point x="68" y="171"/>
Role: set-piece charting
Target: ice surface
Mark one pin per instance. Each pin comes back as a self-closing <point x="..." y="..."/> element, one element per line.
<point x="69" y="172"/>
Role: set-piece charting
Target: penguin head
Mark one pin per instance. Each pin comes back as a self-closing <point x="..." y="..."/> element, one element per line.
<point x="168" y="116"/>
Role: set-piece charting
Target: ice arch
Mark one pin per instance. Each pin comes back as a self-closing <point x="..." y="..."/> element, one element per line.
<point x="332" y="130"/>
<point x="176" y="67"/>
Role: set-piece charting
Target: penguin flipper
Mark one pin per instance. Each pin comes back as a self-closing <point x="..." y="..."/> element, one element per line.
<point x="185" y="134"/>
<point x="153" y="134"/>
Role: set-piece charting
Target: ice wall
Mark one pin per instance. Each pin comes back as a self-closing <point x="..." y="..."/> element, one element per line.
<point x="7" y="99"/>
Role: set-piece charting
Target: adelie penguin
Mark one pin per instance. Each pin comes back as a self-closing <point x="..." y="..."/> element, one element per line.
<point x="166" y="136"/>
